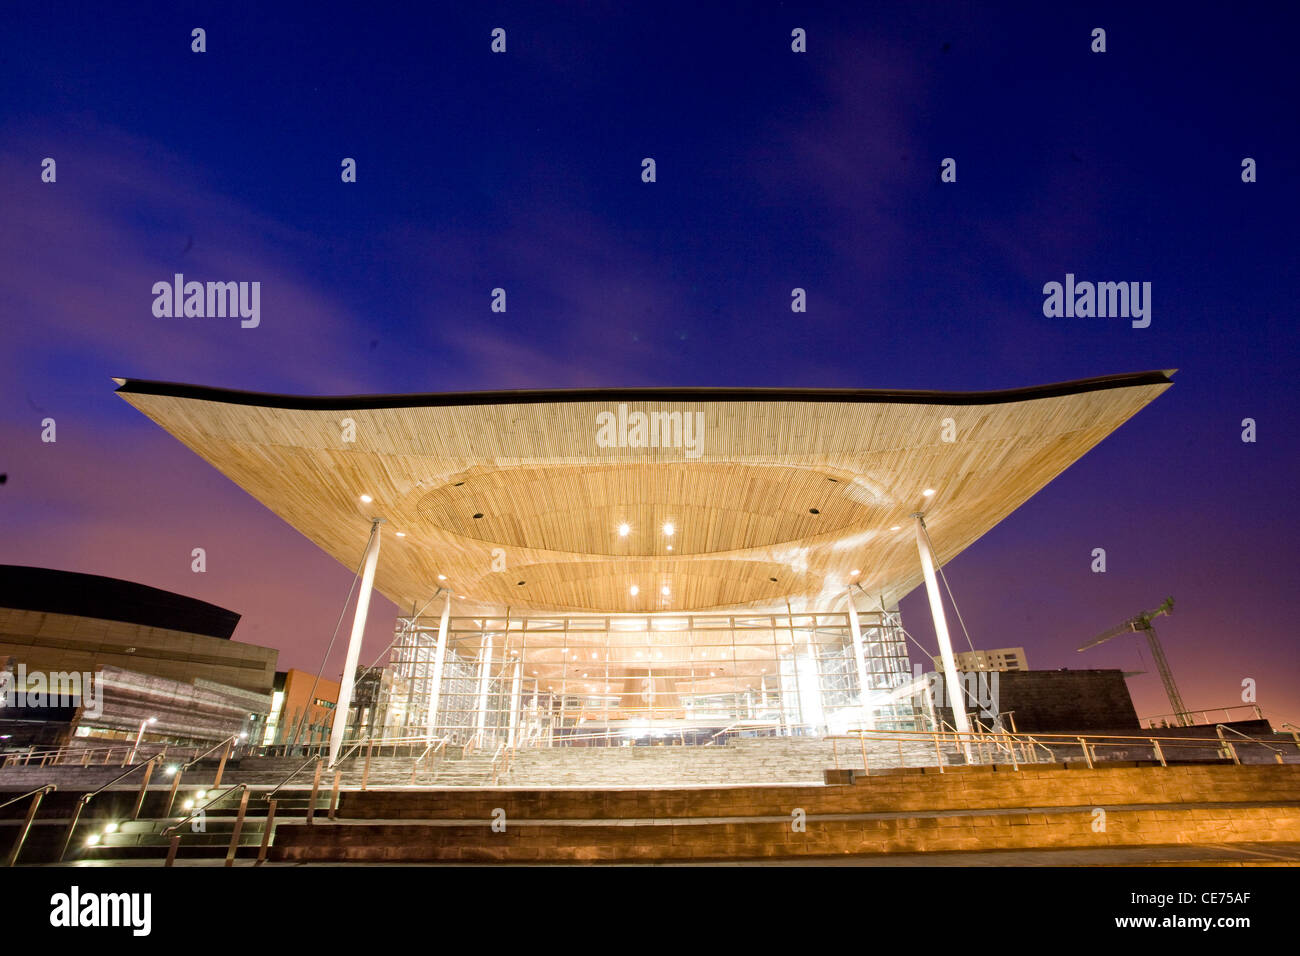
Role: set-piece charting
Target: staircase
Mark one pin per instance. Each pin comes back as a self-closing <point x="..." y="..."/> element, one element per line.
<point x="968" y="809"/>
<point x="743" y="760"/>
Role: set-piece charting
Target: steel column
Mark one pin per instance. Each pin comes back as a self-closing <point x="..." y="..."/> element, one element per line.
<point x="354" y="642"/>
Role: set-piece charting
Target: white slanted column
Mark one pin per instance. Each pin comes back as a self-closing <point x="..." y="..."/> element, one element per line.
<point x="354" y="642"/>
<point x="435" y="679"/>
<point x="956" y="692"/>
<point x="484" y="678"/>
<point x="860" y="658"/>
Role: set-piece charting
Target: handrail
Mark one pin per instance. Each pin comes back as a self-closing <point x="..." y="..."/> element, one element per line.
<point x="492" y="767"/>
<point x="236" y="830"/>
<point x="434" y="747"/>
<point x="312" y="759"/>
<point x="52" y="757"/>
<point x="37" y="796"/>
<point x="742" y="726"/>
<point x="30" y="793"/>
<point x="1088" y="743"/>
<point x="1246" y="737"/>
<point x="87" y="797"/>
<point x="1204" y="712"/>
<point x="203" y="809"/>
<point x="220" y="743"/>
<point x="84" y="800"/>
<point x="1070" y="737"/>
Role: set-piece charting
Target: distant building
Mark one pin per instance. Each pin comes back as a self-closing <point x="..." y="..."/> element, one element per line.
<point x="100" y="656"/>
<point x="302" y="708"/>
<point x="999" y="659"/>
<point x="1049" y="702"/>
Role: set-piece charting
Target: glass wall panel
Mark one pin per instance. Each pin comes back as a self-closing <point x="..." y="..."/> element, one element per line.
<point x="586" y="680"/>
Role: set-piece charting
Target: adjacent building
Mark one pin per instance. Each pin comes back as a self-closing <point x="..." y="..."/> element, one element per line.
<point x="100" y="656"/>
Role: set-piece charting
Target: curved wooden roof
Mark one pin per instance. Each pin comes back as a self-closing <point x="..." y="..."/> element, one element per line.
<point x="788" y="494"/>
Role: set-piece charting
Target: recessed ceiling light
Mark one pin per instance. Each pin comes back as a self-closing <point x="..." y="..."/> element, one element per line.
<point x="634" y="590"/>
<point x="366" y="499"/>
<point x="623" y="530"/>
<point x="442" y="577"/>
<point x="813" y="511"/>
<point x="894" y="528"/>
<point x="520" y="583"/>
<point x="855" y="572"/>
<point x="401" y="534"/>
<point x="664" y="590"/>
<point x="668" y="528"/>
<point x="478" y="515"/>
<point x="928" y="492"/>
<point x="670" y="547"/>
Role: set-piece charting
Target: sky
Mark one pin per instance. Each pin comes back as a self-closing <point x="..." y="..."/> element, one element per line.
<point x="775" y="169"/>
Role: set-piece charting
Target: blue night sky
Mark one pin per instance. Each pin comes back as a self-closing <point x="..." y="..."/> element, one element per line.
<point x="775" y="170"/>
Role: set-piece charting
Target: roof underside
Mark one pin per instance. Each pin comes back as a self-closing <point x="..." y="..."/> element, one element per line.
<point x="517" y="497"/>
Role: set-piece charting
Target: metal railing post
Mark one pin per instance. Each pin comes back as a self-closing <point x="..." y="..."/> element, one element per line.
<point x="334" y="792"/>
<point x="1086" y="756"/>
<point x="938" y="754"/>
<point x="266" y="833"/>
<point x="144" y="784"/>
<point x="365" y="773"/>
<point x="835" y="751"/>
<point x="72" y="825"/>
<point x="315" y="789"/>
<point x="221" y="767"/>
<point x="1160" y="753"/>
<point x="12" y="858"/>
<point x="176" y="782"/>
<point x="1232" y="752"/>
<point x="171" y="850"/>
<point x="239" y="826"/>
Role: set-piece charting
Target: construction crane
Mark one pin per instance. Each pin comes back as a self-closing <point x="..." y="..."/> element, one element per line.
<point x="1142" y="623"/>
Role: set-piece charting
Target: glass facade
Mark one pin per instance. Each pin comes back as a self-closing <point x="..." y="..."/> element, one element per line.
<point x="614" y="680"/>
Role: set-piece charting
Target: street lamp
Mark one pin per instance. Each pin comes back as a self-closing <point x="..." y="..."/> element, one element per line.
<point x="136" y="746"/>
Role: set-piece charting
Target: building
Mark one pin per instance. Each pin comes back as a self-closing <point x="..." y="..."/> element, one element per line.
<point x="630" y="566"/>
<point x="106" y="655"/>
<point x="302" y="709"/>
<point x="998" y="659"/>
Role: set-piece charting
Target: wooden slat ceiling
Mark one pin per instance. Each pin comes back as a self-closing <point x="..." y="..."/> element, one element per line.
<point x="550" y="499"/>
